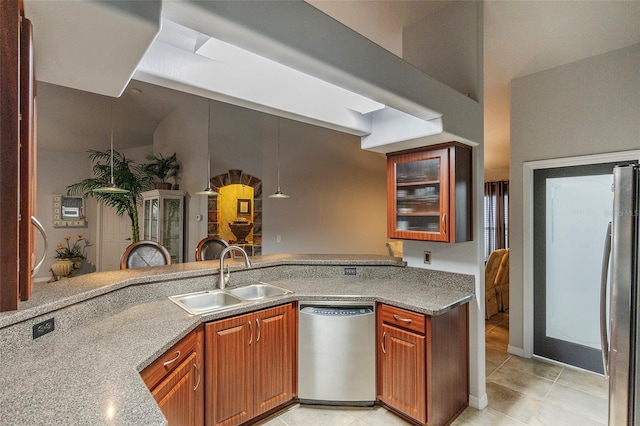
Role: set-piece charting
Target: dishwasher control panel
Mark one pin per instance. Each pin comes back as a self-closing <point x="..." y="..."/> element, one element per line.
<point x="337" y="310"/>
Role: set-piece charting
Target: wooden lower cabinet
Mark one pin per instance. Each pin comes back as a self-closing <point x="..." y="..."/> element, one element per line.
<point x="250" y="363"/>
<point x="423" y="364"/>
<point x="177" y="383"/>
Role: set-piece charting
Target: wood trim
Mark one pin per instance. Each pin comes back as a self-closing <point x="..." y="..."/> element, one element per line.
<point x="9" y="161"/>
<point x="27" y="245"/>
<point x="448" y="365"/>
<point x="441" y="153"/>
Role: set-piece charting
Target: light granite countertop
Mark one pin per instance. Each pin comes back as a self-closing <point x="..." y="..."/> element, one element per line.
<point x="87" y="370"/>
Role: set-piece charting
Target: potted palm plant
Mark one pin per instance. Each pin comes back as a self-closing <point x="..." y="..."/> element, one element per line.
<point x="126" y="174"/>
<point x="162" y="168"/>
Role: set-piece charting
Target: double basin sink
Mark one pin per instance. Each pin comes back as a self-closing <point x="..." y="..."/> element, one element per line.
<point x="208" y="301"/>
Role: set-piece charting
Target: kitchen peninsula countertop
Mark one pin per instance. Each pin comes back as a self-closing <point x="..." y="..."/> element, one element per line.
<point x="110" y="326"/>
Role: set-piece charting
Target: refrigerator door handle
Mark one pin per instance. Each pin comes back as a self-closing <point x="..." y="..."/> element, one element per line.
<point x="604" y="339"/>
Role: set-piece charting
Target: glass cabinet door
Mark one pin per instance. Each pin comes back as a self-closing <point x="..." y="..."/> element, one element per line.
<point x="172" y="219"/>
<point x="163" y="220"/>
<point x="429" y="193"/>
<point x="418" y="195"/>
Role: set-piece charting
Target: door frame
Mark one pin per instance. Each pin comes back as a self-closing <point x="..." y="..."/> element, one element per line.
<point x="527" y="230"/>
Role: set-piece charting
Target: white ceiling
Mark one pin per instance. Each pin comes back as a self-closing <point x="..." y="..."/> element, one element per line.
<point x="520" y="38"/>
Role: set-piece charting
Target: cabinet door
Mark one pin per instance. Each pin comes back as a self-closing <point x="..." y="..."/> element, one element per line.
<point x="418" y="191"/>
<point x="273" y="357"/>
<point x="172" y="231"/>
<point x="403" y="380"/>
<point x="176" y="382"/>
<point x="229" y="372"/>
<point x="176" y="395"/>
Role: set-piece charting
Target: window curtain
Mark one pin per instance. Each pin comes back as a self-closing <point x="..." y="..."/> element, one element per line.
<point x="496" y="216"/>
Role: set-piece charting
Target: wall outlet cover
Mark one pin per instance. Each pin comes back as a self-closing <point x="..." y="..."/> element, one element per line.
<point x="44" y="327"/>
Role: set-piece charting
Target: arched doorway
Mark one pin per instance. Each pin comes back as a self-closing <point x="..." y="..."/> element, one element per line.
<point x="217" y="219"/>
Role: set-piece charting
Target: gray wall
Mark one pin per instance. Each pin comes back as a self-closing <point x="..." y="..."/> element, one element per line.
<point x="586" y="107"/>
<point x="446" y="45"/>
<point x="338" y="191"/>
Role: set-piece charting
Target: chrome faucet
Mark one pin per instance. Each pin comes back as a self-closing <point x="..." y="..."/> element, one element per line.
<point x="223" y="280"/>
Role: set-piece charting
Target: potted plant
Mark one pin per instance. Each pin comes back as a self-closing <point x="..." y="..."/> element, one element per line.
<point x="127" y="175"/>
<point x="69" y="256"/>
<point x="162" y="168"/>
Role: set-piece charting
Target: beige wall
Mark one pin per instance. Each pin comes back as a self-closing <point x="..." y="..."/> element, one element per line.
<point x="587" y="107"/>
<point x="338" y="191"/>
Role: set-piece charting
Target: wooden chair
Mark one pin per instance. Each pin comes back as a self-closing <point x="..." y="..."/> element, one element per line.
<point x="210" y="248"/>
<point x="490" y="272"/>
<point x="501" y="283"/>
<point x="143" y="254"/>
<point x="394" y="248"/>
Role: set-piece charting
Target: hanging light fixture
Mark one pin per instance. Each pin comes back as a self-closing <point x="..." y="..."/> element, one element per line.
<point x="278" y="193"/>
<point x="111" y="188"/>
<point x="208" y="191"/>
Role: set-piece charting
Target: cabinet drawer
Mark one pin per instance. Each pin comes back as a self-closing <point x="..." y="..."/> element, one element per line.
<point x="403" y="318"/>
<point x="167" y="362"/>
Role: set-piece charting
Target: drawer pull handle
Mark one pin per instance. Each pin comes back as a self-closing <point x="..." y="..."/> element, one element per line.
<point x="195" y="367"/>
<point x="258" y="328"/>
<point x="251" y="332"/>
<point x="384" y="335"/>
<point x="398" y="318"/>
<point x="171" y="361"/>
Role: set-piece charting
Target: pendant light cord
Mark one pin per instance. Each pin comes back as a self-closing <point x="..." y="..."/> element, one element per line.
<point x="278" y="154"/>
<point x="112" y="180"/>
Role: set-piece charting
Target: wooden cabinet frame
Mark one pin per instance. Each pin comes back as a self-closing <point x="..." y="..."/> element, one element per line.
<point x="250" y="363"/>
<point x="176" y="380"/>
<point x="17" y="163"/>
<point x="423" y="364"/>
<point x="432" y="205"/>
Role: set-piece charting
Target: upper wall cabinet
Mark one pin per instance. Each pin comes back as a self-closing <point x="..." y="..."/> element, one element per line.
<point x="429" y="193"/>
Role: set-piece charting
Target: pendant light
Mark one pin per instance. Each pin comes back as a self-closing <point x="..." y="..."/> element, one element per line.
<point x="208" y="191"/>
<point x="111" y="188"/>
<point x="278" y="193"/>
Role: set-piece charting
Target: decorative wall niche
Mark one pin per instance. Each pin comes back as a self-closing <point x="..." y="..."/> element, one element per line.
<point x="217" y="220"/>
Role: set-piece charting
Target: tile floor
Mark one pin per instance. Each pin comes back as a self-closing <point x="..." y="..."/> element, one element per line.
<point x="521" y="392"/>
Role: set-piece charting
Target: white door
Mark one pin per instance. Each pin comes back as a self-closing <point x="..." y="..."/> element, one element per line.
<point x="115" y="236"/>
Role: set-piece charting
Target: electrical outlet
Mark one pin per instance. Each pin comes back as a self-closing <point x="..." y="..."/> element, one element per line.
<point x="427" y="257"/>
<point x="44" y="327"/>
<point x="350" y="271"/>
<point x="278" y="238"/>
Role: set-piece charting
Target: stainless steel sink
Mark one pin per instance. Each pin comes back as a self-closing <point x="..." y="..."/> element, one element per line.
<point x="258" y="291"/>
<point x="205" y="301"/>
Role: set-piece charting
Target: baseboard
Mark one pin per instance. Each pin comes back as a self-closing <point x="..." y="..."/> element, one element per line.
<point x="478" y="403"/>
<point x="41" y="280"/>
<point x="515" y="351"/>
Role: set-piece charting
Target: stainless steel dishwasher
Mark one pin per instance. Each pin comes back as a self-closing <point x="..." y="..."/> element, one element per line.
<point x="337" y="353"/>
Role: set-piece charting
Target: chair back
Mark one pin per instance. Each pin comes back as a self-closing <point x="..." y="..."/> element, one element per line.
<point x="142" y="254"/>
<point x="210" y="248"/>
<point x="502" y="282"/>
<point x="490" y="272"/>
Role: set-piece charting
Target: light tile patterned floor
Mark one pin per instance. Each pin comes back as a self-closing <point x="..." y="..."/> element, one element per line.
<point x="521" y="392"/>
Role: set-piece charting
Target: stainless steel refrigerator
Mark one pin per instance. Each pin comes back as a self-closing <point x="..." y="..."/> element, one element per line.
<point x="621" y="333"/>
